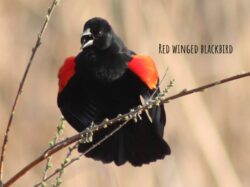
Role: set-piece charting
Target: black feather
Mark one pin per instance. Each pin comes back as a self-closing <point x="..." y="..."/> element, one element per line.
<point x="104" y="87"/>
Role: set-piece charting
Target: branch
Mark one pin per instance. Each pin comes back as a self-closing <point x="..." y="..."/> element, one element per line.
<point x="20" y="89"/>
<point x="203" y="88"/>
<point x="120" y="118"/>
<point x="109" y="135"/>
<point x="68" y="163"/>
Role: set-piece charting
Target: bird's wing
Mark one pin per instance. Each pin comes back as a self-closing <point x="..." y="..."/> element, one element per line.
<point x="66" y="72"/>
<point x="144" y="68"/>
<point x="157" y="113"/>
<point x="78" y="116"/>
<point x="76" y="107"/>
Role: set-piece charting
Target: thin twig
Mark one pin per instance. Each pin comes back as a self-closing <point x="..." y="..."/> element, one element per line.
<point x="65" y="162"/>
<point x="160" y="82"/>
<point x="119" y="118"/>
<point x="85" y="152"/>
<point x="59" y="131"/>
<point x="20" y="89"/>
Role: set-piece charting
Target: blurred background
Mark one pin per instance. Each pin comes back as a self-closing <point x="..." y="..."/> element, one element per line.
<point x="209" y="132"/>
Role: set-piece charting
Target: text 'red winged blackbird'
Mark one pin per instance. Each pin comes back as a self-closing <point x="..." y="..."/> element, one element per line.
<point x="106" y="79"/>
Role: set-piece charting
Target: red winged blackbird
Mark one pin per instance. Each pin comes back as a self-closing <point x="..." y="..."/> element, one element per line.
<point x="106" y="79"/>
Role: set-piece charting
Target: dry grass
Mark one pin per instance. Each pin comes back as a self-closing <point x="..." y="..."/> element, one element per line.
<point x="208" y="132"/>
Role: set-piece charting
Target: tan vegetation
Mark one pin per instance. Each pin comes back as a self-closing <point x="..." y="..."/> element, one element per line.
<point x="208" y="132"/>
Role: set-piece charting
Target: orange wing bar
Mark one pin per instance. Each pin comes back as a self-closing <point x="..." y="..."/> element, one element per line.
<point x="144" y="67"/>
<point x="66" y="72"/>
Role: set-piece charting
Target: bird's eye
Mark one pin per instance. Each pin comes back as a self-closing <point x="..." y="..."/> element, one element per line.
<point x="99" y="34"/>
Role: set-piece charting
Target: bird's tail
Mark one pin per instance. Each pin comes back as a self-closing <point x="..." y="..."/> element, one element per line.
<point x="144" y="144"/>
<point x="139" y="143"/>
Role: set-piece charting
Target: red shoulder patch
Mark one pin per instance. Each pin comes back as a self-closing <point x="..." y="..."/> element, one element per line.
<point x="66" y="72"/>
<point x="144" y="67"/>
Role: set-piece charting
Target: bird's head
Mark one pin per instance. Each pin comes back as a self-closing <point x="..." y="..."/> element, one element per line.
<point x="97" y="33"/>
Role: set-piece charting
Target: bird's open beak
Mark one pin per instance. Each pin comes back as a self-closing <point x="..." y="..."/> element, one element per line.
<point x="87" y="39"/>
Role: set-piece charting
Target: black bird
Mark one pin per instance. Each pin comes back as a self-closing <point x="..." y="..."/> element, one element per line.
<point x="106" y="79"/>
